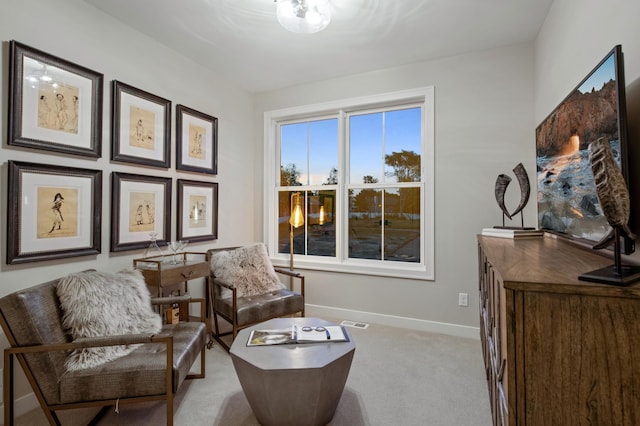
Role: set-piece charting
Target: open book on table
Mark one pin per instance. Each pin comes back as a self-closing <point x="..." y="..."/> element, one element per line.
<point x="298" y="334"/>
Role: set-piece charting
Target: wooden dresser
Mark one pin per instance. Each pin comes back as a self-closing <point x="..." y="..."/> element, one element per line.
<point x="557" y="351"/>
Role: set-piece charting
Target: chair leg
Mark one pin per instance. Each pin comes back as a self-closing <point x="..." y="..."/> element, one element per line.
<point x="215" y="323"/>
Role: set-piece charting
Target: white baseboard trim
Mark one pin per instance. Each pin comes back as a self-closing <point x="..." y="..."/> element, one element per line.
<point x="22" y="405"/>
<point x="394" y="321"/>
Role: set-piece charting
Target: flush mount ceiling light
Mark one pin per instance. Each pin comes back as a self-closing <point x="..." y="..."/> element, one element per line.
<point x="304" y="16"/>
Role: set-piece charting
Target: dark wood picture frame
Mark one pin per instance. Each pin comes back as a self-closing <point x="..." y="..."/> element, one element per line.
<point x="197" y="210"/>
<point x="196" y="141"/>
<point x="140" y="205"/>
<point x="53" y="212"/>
<point x="140" y="127"/>
<point x="54" y="104"/>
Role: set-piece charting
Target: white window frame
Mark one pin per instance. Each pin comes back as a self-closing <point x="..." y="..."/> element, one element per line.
<point x="342" y="263"/>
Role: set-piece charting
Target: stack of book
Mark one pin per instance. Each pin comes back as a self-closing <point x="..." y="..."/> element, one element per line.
<point x="512" y="233"/>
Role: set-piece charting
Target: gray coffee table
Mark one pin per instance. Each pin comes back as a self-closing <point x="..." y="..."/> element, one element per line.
<point x="292" y="384"/>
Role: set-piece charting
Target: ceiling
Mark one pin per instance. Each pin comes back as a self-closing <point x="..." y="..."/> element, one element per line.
<point x="242" y="41"/>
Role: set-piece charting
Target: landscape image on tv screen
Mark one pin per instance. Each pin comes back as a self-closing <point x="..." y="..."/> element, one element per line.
<point x="567" y="199"/>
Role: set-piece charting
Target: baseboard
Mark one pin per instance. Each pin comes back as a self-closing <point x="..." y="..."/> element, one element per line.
<point x="394" y="321"/>
<point x="22" y="405"/>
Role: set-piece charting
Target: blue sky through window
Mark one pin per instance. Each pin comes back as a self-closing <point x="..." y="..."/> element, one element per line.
<point x="313" y="146"/>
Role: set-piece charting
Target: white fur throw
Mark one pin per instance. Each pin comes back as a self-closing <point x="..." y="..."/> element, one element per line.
<point x="105" y="304"/>
<point x="248" y="269"/>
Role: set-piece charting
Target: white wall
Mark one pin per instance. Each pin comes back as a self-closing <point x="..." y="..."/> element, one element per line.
<point x="483" y="127"/>
<point x="76" y="31"/>
<point x="575" y="36"/>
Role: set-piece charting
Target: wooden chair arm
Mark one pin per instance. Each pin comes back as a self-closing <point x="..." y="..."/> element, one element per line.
<point x="288" y="272"/>
<point x="92" y="342"/>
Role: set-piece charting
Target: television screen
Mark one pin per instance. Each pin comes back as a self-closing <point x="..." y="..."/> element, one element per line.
<point x="567" y="199"/>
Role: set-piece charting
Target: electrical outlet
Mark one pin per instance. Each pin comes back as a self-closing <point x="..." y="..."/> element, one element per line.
<point x="463" y="299"/>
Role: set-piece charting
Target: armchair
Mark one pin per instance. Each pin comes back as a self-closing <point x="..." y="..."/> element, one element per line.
<point x="152" y="366"/>
<point x="244" y="289"/>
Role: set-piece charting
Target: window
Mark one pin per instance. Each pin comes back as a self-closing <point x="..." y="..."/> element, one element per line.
<point x="361" y="172"/>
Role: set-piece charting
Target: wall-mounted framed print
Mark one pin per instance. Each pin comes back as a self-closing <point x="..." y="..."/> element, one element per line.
<point x="54" y="212"/>
<point x="140" y="127"/>
<point x="196" y="141"/>
<point x="140" y="206"/>
<point x="197" y="210"/>
<point x="54" y="105"/>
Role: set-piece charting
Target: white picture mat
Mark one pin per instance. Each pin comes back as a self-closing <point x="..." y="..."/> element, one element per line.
<point x="126" y="188"/>
<point x="187" y="192"/>
<point x="29" y="241"/>
<point x="30" y="97"/>
<point x="127" y="101"/>
<point x="206" y="162"/>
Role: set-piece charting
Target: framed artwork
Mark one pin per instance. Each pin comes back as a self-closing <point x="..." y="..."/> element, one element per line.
<point x="197" y="210"/>
<point x="54" y="212"/>
<point x="54" y="105"/>
<point x="196" y="141"/>
<point x="140" y="206"/>
<point x="141" y="127"/>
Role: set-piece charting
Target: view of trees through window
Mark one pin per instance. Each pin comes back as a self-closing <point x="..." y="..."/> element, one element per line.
<point x="376" y="199"/>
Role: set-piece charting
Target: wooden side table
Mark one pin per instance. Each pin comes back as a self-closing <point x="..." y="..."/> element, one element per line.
<point x="161" y="272"/>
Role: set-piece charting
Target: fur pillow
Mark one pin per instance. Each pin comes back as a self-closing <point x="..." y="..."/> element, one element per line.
<point x="105" y="304"/>
<point x="247" y="268"/>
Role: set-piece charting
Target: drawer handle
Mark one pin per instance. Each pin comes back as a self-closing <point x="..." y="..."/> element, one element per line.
<point x="187" y="274"/>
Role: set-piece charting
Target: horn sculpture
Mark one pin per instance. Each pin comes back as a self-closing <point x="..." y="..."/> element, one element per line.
<point x="501" y="187"/>
<point x="525" y="189"/>
<point x="611" y="190"/>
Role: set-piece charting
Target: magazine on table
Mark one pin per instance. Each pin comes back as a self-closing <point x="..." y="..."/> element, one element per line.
<point x="298" y="334"/>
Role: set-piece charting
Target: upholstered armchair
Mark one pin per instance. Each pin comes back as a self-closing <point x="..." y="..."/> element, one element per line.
<point x="245" y="289"/>
<point x="92" y="339"/>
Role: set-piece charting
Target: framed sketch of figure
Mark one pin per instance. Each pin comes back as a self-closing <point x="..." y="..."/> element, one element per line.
<point x="140" y="206"/>
<point x="54" y="104"/>
<point x="196" y="141"/>
<point x="197" y="210"/>
<point x="53" y="212"/>
<point x="141" y="127"/>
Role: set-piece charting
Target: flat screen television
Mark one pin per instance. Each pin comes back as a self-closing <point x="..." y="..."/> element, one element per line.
<point x="567" y="200"/>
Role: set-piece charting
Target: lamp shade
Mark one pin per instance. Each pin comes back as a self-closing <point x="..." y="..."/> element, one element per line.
<point x="304" y="16"/>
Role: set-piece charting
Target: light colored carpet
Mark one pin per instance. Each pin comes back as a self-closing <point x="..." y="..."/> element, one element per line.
<point x="398" y="377"/>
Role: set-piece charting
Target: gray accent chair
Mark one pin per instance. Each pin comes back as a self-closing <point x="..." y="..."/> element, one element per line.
<point x="32" y="321"/>
<point x="241" y="312"/>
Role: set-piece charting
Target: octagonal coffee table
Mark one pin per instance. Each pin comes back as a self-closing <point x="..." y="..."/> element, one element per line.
<point x="292" y="384"/>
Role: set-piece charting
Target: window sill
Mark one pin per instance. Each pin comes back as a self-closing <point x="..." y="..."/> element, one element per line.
<point x="360" y="267"/>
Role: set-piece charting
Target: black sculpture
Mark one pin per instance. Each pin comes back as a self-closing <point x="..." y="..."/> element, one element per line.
<point x="615" y="203"/>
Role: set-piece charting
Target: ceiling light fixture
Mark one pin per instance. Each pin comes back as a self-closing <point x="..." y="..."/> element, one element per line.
<point x="304" y="16"/>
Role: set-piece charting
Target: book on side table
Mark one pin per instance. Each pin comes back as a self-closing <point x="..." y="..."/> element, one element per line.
<point x="512" y="233"/>
<point x="297" y="334"/>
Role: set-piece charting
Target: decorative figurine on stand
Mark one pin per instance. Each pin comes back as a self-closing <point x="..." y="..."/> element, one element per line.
<point x="502" y="182"/>
<point x="613" y="196"/>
